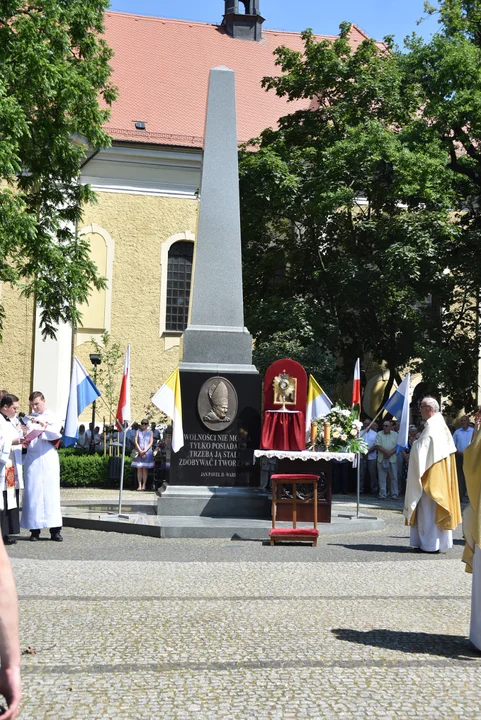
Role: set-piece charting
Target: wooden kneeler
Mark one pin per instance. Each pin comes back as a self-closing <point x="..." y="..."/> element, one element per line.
<point x="293" y="533"/>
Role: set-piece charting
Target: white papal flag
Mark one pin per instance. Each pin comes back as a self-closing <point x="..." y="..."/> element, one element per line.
<point x="169" y="399"/>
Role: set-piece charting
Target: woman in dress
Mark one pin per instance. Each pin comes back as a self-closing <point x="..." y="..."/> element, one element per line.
<point x="11" y="482"/>
<point x="143" y="442"/>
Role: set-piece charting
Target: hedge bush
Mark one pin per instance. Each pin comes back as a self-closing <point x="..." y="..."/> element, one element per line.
<point x="78" y="469"/>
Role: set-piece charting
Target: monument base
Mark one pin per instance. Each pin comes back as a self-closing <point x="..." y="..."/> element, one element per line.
<point x="223" y="457"/>
<point x="214" y="502"/>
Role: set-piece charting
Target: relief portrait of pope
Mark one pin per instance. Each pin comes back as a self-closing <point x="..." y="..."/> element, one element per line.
<point x="219" y="400"/>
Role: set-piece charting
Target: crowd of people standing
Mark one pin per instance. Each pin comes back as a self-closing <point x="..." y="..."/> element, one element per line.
<point x="384" y="470"/>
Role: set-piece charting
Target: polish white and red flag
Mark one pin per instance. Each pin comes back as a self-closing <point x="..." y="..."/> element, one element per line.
<point x="123" y="408"/>
<point x="356" y="389"/>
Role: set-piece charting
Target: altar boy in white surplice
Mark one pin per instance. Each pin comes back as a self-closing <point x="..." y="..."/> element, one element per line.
<point x="41" y="497"/>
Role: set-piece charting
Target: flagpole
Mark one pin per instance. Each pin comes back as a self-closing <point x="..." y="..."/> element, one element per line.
<point x="358" y="476"/>
<point x="122" y="468"/>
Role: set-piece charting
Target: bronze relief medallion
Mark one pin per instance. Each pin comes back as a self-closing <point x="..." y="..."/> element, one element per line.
<point x="217" y="403"/>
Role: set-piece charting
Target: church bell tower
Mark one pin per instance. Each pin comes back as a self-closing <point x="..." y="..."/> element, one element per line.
<point x="245" y="25"/>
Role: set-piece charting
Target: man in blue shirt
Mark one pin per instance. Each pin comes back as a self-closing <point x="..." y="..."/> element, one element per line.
<point x="462" y="438"/>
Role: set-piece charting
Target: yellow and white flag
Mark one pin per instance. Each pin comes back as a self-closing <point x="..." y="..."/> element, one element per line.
<point x="169" y="400"/>
<point x="318" y="403"/>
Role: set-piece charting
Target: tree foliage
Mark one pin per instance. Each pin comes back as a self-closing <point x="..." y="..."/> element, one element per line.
<point x="108" y="374"/>
<point x="360" y="213"/>
<point x="54" y="88"/>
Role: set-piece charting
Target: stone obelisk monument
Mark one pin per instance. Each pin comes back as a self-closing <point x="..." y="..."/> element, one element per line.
<point x="221" y="389"/>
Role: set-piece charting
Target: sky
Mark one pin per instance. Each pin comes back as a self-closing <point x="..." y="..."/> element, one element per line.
<point x="377" y="18"/>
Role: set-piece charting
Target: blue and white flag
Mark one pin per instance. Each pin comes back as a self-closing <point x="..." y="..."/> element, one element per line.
<point x="83" y="391"/>
<point x="398" y="406"/>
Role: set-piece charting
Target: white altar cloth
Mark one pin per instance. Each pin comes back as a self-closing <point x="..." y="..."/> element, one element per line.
<point x="306" y="455"/>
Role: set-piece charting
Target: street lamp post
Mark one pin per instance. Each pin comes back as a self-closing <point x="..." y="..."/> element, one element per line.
<point x="95" y="359"/>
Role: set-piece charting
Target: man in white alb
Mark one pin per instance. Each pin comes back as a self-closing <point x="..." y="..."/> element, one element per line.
<point x="431" y="503"/>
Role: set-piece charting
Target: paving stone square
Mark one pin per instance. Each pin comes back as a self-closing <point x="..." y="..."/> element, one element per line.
<point x="359" y="627"/>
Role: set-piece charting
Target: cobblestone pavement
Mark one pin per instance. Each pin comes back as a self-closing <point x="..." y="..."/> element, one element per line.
<point x="135" y="627"/>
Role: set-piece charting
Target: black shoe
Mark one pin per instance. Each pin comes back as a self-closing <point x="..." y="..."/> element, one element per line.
<point x="56" y="537"/>
<point x="34" y="538"/>
<point x="9" y="541"/>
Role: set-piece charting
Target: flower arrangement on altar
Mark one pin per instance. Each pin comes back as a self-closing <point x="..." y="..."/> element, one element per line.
<point x="338" y="431"/>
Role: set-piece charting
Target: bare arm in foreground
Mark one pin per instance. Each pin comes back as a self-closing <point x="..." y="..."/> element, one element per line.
<point x="10" y="683"/>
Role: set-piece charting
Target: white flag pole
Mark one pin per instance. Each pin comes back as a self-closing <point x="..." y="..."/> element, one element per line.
<point x="358" y="477"/>
<point x="122" y="468"/>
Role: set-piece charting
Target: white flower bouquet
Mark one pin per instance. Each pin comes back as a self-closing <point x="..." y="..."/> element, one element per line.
<point x="344" y="431"/>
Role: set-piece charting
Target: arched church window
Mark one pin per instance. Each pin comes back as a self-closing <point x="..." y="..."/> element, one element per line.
<point x="179" y="278"/>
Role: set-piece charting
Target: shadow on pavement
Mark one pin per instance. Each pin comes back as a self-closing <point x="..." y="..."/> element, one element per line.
<point x="368" y="547"/>
<point x="421" y="643"/>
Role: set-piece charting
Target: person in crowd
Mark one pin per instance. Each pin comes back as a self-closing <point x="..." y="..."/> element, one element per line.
<point x="369" y="462"/>
<point x="97" y="439"/>
<point x="88" y="435"/>
<point x="385" y="444"/>
<point x="10" y="679"/>
<point x="413" y="435"/>
<point x="130" y="437"/>
<point x="11" y="437"/>
<point x="41" y="497"/>
<point x="82" y="440"/>
<point x="156" y="433"/>
<point x="143" y="442"/>
<point x="462" y="438"/>
<point x="431" y="503"/>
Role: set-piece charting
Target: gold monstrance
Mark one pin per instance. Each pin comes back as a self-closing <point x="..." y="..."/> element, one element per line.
<point x="284" y="390"/>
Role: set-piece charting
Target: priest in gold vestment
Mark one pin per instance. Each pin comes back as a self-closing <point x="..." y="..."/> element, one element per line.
<point x="472" y="529"/>
<point x="431" y="503"/>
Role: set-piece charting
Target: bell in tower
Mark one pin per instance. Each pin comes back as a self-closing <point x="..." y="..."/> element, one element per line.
<point x="246" y="24"/>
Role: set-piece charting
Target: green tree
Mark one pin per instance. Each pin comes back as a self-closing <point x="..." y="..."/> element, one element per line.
<point x="442" y="79"/>
<point x="54" y="88"/>
<point x="315" y="359"/>
<point x="108" y="376"/>
<point x="349" y="239"/>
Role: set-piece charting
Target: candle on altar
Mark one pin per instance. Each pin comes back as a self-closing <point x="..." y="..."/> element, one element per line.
<point x="313" y="437"/>
<point x="327" y="433"/>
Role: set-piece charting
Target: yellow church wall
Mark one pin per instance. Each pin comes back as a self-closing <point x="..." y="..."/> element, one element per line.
<point x="17" y="345"/>
<point x="138" y="225"/>
<point x="93" y="312"/>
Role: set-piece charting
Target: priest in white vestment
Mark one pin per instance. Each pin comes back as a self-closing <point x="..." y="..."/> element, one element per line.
<point x="41" y="497"/>
<point x="472" y="530"/>
<point x="431" y="502"/>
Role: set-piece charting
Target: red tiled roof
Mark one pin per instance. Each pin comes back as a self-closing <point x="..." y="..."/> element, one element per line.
<point x="161" y="68"/>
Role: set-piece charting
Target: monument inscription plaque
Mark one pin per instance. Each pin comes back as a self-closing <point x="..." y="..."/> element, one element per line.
<point x="218" y="452"/>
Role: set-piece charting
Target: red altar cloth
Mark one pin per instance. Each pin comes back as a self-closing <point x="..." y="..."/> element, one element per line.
<point x="283" y="430"/>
